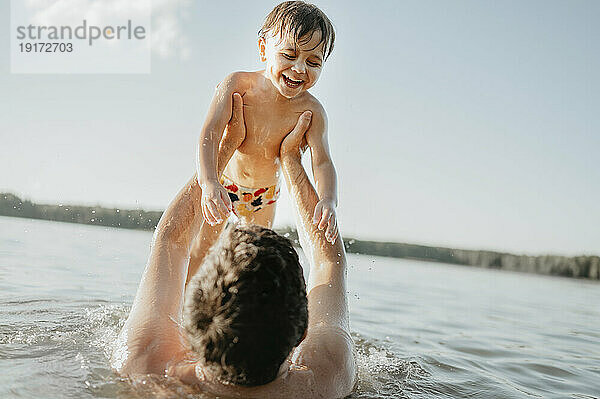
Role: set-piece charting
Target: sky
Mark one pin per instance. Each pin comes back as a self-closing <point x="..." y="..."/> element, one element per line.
<point x="468" y="124"/>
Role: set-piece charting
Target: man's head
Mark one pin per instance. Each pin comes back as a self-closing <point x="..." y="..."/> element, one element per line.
<point x="246" y="308"/>
<point x="294" y="41"/>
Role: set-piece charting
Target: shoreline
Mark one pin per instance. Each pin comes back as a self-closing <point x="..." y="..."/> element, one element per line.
<point x="587" y="267"/>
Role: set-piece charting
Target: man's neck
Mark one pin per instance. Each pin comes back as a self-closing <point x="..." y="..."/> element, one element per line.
<point x="289" y="380"/>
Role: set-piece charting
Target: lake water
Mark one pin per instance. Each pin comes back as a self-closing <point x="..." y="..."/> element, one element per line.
<point x="422" y="330"/>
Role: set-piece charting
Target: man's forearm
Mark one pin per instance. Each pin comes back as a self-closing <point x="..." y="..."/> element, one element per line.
<point x="305" y="198"/>
<point x="327" y="279"/>
<point x="164" y="277"/>
<point x="300" y="188"/>
<point x="181" y="221"/>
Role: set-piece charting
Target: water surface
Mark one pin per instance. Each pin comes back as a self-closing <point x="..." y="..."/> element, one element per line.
<point x="422" y="330"/>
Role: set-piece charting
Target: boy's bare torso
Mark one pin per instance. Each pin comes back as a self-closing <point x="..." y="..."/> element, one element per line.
<point x="269" y="117"/>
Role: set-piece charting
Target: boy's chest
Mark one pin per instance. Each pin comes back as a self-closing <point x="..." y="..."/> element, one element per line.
<point x="267" y="123"/>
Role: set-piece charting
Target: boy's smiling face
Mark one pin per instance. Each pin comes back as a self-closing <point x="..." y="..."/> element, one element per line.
<point x="292" y="68"/>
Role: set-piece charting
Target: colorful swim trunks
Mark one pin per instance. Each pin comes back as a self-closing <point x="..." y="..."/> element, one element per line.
<point x="246" y="200"/>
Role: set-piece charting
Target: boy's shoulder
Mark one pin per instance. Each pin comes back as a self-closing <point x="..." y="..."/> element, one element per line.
<point x="317" y="109"/>
<point x="310" y="102"/>
<point x="238" y="81"/>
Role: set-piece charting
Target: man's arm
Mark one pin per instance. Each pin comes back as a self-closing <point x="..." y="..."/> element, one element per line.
<point x="327" y="349"/>
<point x="151" y="335"/>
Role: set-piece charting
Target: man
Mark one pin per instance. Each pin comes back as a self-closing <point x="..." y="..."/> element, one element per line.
<point x="212" y="345"/>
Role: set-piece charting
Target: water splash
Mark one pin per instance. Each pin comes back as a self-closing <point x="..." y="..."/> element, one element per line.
<point x="381" y="373"/>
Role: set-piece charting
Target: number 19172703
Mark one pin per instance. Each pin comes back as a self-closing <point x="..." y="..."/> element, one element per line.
<point x="46" y="47"/>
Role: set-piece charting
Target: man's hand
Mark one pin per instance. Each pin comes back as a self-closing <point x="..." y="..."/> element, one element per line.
<point x="292" y="143"/>
<point x="325" y="216"/>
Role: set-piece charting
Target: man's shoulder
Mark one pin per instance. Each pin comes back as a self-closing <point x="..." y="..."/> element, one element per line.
<point x="328" y="352"/>
<point x="146" y="349"/>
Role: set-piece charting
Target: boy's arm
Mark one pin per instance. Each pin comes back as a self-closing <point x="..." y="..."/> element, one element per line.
<point x="215" y="200"/>
<point x="327" y="348"/>
<point x="219" y="113"/>
<point x="324" y="173"/>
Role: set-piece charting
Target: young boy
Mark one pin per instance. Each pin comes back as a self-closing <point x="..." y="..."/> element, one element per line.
<point x="294" y="42"/>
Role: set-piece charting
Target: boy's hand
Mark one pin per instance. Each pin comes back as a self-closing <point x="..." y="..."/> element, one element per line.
<point x="216" y="204"/>
<point x="325" y="216"/>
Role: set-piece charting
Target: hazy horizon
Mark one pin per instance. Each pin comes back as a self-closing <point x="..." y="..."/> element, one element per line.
<point x="466" y="124"/>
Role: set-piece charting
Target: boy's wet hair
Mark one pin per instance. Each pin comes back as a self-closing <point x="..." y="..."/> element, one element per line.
<point x="246" y="307"/>
<point x="299" y="20"/>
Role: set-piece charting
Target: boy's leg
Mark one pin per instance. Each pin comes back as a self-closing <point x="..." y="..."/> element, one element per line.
<point x="206" y="237"/>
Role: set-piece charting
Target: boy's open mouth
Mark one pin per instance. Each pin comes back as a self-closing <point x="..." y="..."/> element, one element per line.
<point x="291" y="82"/>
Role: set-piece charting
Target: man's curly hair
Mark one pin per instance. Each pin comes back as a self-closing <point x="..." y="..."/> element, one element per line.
<point x="246" y="307"/>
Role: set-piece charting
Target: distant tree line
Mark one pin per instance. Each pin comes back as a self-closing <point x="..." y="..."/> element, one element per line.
<point x="578" y="266"/>
<point x="11" y="205"/>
